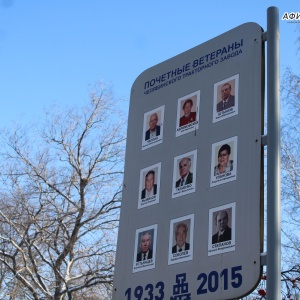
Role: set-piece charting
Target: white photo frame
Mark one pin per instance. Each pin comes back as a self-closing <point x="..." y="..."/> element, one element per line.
<point x="191" y="105"/>
<point x="180" y="253"/>
<point x="229" y="108"/>
<point x="155" y="137"/>
<point x="186" y="185"/>
<point x="225" y="242"/>
<point x="146" y="199"/>
<point x="219" y="173"/>
<point x="140" y="264"/>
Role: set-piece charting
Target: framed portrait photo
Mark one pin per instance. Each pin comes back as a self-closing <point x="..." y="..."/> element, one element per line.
<point x="224" y="161"/>
<point x="153" y="127"/>
<point x="145" y="248"/>
<point x="149" y="186"/>
<point x="221" y="233"/>
<point x="188" y="108"/>
<point x="226" y="98"/>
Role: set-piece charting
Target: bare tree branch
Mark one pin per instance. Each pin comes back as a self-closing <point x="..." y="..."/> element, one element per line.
<point x="59" y="202"/>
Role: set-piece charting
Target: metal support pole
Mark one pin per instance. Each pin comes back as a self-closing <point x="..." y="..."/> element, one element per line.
<point x="273" y="158"/>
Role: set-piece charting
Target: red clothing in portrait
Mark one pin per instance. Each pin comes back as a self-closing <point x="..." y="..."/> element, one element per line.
<point x="186" y="120"/>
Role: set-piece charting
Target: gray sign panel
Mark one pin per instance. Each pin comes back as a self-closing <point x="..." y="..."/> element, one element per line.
<point x="190" y="225"/>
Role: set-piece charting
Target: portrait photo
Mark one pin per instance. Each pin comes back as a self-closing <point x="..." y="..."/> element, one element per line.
<point x="145" y="248"/>
<point x="153" y="127"/>
<point x="188" y="113"/>
<point x="181" y="239"/>
<point x="221" y="235"/>
<point x="225" y="104"/>
<point x="224" y="161"/>
<point x="149" y="186"/>
<point x="184" y="174"/>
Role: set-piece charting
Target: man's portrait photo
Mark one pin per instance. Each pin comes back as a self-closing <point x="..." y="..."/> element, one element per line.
<point x="221" y="223"/>
<point x="221" y="229"/>
<point x="224" y="161"/>
<point x="149" y="185"/>
<point x="180" y="233"/>
<point x="153" y="127"/>
<point x="184" y="173"/>
<point x="186" y="176"/>
<point x="181" y="239"/>
<point x="145" y="247"/>
<point x="226" y="98"/>
<point x="144" y="254"/>
<point x="188" y="113"/>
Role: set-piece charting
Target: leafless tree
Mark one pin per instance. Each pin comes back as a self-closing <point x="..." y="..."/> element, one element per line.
<point x="290" y="190"/>
<point x="290" y="149"/>
<point x="60" y="195"/>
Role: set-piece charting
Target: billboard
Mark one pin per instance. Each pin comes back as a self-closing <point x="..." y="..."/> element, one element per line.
<point x="190" y="224"/>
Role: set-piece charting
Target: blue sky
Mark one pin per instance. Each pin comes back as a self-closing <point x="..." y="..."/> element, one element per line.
<point x="53" y="51"/>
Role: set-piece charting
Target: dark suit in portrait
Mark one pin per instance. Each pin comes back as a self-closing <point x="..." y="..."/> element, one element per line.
<point x="157" y="132"/>
<point x="154" y="191"/>
<point x="226" y="236"/>
<point x="174" y="248"/>
<point x="139" y="256"/>
<point x="189" y="180"/>
<point x="230" y="103"/>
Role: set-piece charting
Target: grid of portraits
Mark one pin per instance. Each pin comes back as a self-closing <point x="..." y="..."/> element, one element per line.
<point x="223" y="169"/>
